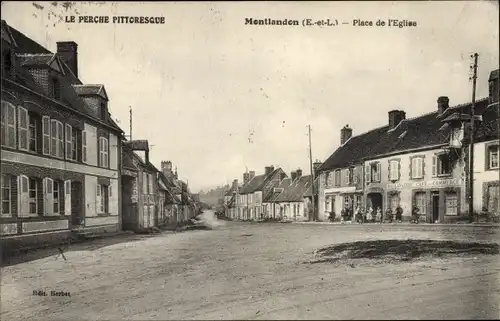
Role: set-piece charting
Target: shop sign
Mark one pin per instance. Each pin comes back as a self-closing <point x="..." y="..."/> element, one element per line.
<point x="426" y="184"/>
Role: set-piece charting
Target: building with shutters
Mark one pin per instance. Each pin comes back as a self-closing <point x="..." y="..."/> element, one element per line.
<point x="60" y="147"/>
<point x="418" y="162"/>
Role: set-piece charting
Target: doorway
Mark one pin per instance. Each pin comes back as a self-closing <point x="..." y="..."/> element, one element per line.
<point x="374" y="201"/>
<point x="435" y="208"/>
<point x="76" y="204"/>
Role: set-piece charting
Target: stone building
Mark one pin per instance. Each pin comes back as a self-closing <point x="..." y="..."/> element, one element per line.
<point x="61" y="148"/>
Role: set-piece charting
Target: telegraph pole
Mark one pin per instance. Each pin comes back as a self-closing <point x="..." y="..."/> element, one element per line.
<point x="471" y="143"/>
<point x="312" y="176"/>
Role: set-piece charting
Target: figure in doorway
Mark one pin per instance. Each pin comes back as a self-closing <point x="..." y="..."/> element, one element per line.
<point x="399" y="214"/>
<point x="388" y="215"/>
<point x="379" y="215"/>
<point x="358" y="215"/>
<point x="369" y="215"/>
<point x="415" y="214"/>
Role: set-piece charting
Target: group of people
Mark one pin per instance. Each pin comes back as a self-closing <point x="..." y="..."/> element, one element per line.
<point x="360" y="215"/>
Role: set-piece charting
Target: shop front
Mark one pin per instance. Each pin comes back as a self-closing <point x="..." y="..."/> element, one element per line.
<point x="437" y="200"/>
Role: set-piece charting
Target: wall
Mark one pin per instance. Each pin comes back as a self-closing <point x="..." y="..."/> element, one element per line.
<point x="92" y="150"/>
<point x="482" y="175"/>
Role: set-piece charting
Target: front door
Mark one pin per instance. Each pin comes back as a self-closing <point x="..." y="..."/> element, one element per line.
<point x="76" y="204"/>
<point x="435" y="208"/>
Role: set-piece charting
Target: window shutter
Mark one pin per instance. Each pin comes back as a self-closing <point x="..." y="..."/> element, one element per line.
<point x="3" y="121"/>
<point x="67" y="197"/>
<point x="434" y="166"/>
<point x="113" y="198"/>
<point x="46" y="134"/>
<point x="69" y="146"/>
<point x="399" y="170"/>
<point x="422" y="167"/>
<point x="367" y="174"/>
<point x="23" y="128"/>
<point x="48" y="199"/>
<point x="391" y="165"/>
<point x="412" y="167"/>
<point x="23" y="195"/>
<point x="11" y="126"/>
<point x="378" y="172"/>
<point x="84" y="146"/>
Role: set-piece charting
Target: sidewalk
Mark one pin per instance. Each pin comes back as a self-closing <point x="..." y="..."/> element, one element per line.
<point x="405" y="224"/>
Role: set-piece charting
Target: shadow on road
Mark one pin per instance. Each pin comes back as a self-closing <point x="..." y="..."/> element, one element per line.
<point x="89" y="245"/>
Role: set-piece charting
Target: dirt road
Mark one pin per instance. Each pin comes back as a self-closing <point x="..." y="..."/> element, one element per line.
<point x="253" y="271"/>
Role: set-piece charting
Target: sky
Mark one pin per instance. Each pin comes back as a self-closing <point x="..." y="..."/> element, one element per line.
<point x="217" y="97"/>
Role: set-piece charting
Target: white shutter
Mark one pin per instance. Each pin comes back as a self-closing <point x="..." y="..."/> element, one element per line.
<point x="367" y="174"/>
<point x="23" y="195"/>
<point x="46" y="135"/>
<point x="23" y="129"/>
<point x="434" y="166"/>
<point x="378" y="172"/>
<point x="67" y="197"/>
<point x="98" y="199"/>
<point x="60" y="139"/>
<point x="84" y="146"/>
<point x="69" y="146"/>
<point x="48" y="196"/>
<point x="113" y="197"/>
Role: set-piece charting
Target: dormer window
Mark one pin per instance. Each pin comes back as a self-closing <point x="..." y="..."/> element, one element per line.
<point x="103" y="111"/>
<point x="56" y="89"/>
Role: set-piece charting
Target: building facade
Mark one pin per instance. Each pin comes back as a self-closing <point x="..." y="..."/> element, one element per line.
<point x="61" y="149"/>
<point x="420" y="162"/>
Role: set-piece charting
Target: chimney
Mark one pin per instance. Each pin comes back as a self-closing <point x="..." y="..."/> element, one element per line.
<point x="443" y="104"/>
<point x="268" y="170"/>
<point x="235" y="185"/>
<point x="246" y="178"/>
<point x="252" y="175"/>
<point x="494" y="87"/>
<point x="316" y="165"/>
<point x="146" y="154"/>
<point x="395" y="117"/>
<point x="293" y="175"/>
<point x="68" y="51"/>
<point x="299" y="173"/>
<point x="345" y="134"/>
<point x="282" y="176"/>
<point x="166" y="168"/>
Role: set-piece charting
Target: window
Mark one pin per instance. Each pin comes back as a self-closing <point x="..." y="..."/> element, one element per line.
<point x="7" y="63"/>
<point x="337" y="177"/>
<point x="56" y="89"/>
<point x="441" y="165"/>
<point x="53" y="138"/>
<point x="394" y="170"/>
<point x="32" y="133"/>
<point x="493" y="152"/>
<point x="355" y="173"/>
<point x="394" y="202"/>
<point x="8" y="123"/>
<point x="33" y="193"/>
<point x="347" y="202"/>
<point x="420" y="202"/>
<point x="74" y="144"/>
<point x="46" y="135"/>
<point x="84" y="146"/>
<point x="417" y="165"/>
<point x="327" y="179"/>
<point x="451" y="202"/>
<point x="144" y="183"/>
<point x="375" y="172"/>
<point x="103" y="111"/>
<point x="329" y="203"/>
<point x="7" y="199"/>
<point x="56" y="199"/>
<point x="493" y="199"/>
<point x="103" y="198"/>
<point x="60" y="139"/>
<point x="69" y="142"/>
<point x="347" y="176"/>
<point x="103" y="152"/>
<point x="150" y="184"/>
<point x="23" y="129"/>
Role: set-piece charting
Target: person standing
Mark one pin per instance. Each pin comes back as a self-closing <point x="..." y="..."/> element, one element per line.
<point x="399" y="214"/>
<point x="379" y="215"/>
<point x="388" y="215"/>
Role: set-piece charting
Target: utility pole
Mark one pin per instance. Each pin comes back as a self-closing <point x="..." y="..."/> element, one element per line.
<point x="312" y="176"/>
<point x="471" y="140"/>
<point x="130" y="134"/>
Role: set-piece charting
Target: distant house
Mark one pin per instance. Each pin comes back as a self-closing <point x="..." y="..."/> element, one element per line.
<point x="291" y="199"/>
<point x="249" y="203"/>
<point x="140" y="188"/>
